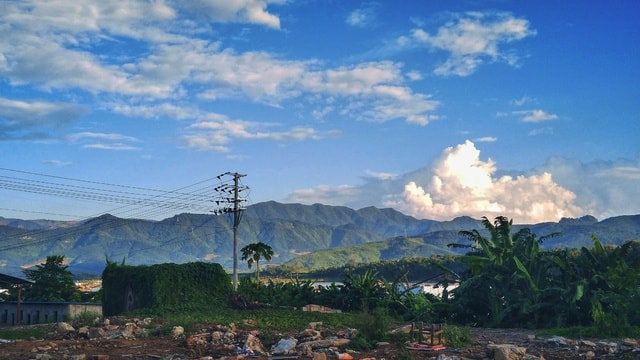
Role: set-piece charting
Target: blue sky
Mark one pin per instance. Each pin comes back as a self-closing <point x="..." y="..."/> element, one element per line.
<point x="436" y="108"/>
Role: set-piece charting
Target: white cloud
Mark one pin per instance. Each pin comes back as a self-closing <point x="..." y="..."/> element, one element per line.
<point x="486" y="139"/>
<point x="240" y="11"/>
<point x="472" y="39"/>
<point x="522" y="101"/>
<point x="103" y="136"/>
<point x="462" y="184"/>
<point x="112" y="146"/>
<point x="53" y="48"/>
<point x="57" y="163"/>
<point x="109" y="141"/>
<point x="535" y="115"/>
<point x="363" y="16"/>
<point x="215" y="131"/>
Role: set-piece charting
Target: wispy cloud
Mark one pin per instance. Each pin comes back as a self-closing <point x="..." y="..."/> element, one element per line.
<point x="535" y="116"/>
<point x="57" y="163"/>
<point x="36" y="120"/>
<point x="472" y="39"/>
<point x="486" y="139"/>
<point x="109" y="141"/>
<point x="364" y="16"/>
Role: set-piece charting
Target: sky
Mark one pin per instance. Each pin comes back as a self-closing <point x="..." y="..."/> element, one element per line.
<point x="437" y="109"/>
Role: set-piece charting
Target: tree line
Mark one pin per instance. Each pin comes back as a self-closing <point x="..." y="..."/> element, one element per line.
<point x="504" y="280"/>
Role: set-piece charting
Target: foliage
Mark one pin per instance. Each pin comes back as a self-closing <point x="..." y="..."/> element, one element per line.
<point x="372" y="328"/>
<point x="457" y="337"/>
<point x="254" y="253"/>
<point x="502" y="285"/>
<point x="163" y="287"/>
<point x="24" y="332"/>
<point x="86" y="318"/>
<point x="511" y="282"/>
<point x="52" y="282"/>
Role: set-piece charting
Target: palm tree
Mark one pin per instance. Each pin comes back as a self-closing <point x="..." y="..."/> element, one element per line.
<point x="254" y="253"/>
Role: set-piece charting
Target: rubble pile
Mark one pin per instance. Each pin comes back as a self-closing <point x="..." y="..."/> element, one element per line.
<point x="143" y="339"/>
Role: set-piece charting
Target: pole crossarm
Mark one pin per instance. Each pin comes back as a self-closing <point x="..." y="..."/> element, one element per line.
<point x="232" y="205"/>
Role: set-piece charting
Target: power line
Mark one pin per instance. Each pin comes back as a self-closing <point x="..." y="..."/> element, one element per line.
<point x="144" y="203"/>
<point x="231" y="203"/>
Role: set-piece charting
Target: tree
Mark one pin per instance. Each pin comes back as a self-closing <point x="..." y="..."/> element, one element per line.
<point x="254" y="253"/>
<point x="505" y="275"/>
<point x="52" y="281"/>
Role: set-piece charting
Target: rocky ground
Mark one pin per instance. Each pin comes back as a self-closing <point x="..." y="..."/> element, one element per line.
<point x="133" y="339"/>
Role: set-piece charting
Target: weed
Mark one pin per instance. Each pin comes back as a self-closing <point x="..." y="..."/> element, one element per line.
<point x="86" y="318"/>
<point x="22" y="333"/>
<point x="457" y="337"/>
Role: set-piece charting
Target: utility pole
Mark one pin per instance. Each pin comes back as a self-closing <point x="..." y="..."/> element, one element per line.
<point x="232" y="206"/>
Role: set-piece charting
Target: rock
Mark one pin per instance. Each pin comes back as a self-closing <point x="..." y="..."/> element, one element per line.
<point x="84" y="332"/>
<point x="445" y="357"/>
<point x="310" y="335"/>
<point x="254" y="344"/>
<point x="326" y="343"/>
<point x="320" y="356"/>
<point x="630" y="342"/>
<point x="588" y="343"/>
<point x="507" y="351"/>
<point x="177" y="332"/>
<point x="63" y="328"/>
<point x="558" y="340"/>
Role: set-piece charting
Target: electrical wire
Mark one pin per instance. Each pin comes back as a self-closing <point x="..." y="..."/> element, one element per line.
<point x="139" y="203"/>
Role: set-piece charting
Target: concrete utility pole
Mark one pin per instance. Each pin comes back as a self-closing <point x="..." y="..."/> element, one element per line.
<point x="233" y="206"/>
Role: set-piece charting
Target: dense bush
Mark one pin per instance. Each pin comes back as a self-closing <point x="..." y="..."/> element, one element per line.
<point x="161" y="287"/>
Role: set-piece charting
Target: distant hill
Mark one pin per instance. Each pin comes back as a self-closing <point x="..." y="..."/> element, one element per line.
<point x="308" y="236"/>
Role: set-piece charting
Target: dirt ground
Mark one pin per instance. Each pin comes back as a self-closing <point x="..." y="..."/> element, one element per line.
<point x="167" y="348"/>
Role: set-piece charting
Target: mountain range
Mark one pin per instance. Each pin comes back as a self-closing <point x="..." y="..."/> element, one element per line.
<point x="303" y="236"/>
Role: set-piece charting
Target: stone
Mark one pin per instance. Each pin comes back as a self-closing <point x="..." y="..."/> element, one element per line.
<point x="630" y="342"/>
<point x="177" y="332"/>
<point x="558" y="340"/>
<point x="507" y="351"/>
<point x="320" y="356"/>
<point x="63" y="328"/>
<point x="588" y="343"/>
<point x="84" y="332"/>
<point x="254" y="343"/>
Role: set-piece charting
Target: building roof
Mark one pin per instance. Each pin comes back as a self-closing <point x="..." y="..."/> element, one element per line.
<point x="11" y="280"/>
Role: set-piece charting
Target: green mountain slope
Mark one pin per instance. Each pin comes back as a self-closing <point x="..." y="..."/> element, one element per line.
<point x="303" y="236"/>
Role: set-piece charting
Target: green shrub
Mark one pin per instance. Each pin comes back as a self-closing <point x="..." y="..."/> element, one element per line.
<point x="86" y="318"/>
<point x="372" y="328"/>
<point x="457" y="337"/>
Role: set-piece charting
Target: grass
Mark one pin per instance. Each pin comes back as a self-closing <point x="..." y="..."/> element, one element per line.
<point x="22" y="333"/>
